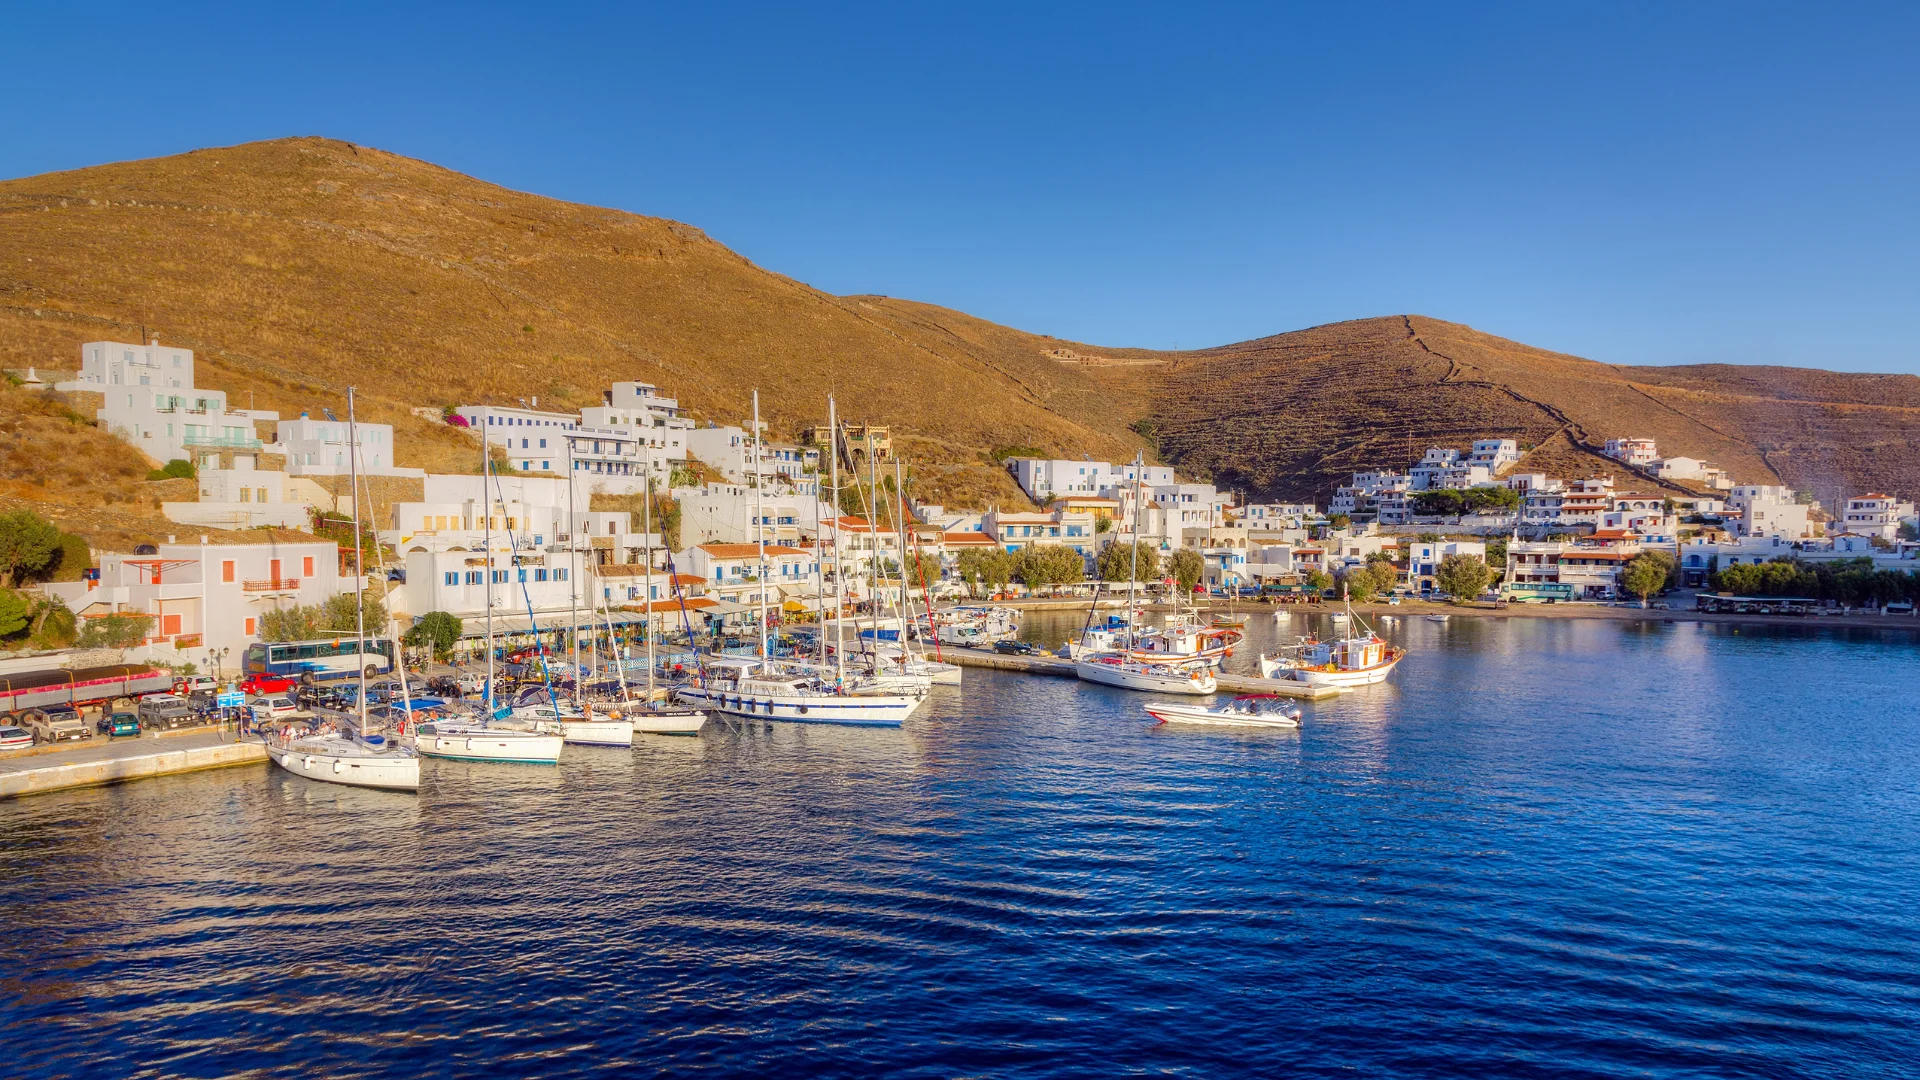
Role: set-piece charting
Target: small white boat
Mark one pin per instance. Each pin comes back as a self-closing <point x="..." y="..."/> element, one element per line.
<point x="1282" y="616"/>
<point x="463" y="740"/>
<point x="343" y="759"/>
<point x="663" y="719"/>
<point x="1436" y="617"/>
<point x="1247" y="710"/>
<point x="1113" y="669"/>
<point x="574" y="725"/>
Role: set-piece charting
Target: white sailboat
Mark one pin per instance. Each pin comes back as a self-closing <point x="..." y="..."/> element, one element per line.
<point x="761" y="690"/>
<point x="336" y="755"/>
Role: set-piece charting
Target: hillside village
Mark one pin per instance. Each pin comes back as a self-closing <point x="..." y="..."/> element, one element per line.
<point x="738" y="519"/>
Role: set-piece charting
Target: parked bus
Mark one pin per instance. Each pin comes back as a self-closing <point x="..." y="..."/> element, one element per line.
<point x="320" y="660"/>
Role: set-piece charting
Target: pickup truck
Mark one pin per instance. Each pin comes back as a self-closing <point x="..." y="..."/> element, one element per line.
<point x="55" y="724"/>
<point x="165" y="712"/>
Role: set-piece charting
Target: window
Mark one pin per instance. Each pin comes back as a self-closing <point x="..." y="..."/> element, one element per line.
<point x="473" y="577"/>
<point x="226" y="574"/>
<point x="523" y="575"/>
<point x="452" y="577"/>
<point x="249" y="627"/>
<point x="560" y="574"/>
<point x="540" y="574"/>
<point x="244" y="492"/>
<point x="260" y="495"/>
<point x="306" y="566"/>
<point x="499" y="577"/>
<point x="543" y="444"/>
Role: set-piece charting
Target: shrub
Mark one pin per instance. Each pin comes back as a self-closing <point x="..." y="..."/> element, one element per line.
<point x="122" y="631"/>
<point x="176" y="469"/>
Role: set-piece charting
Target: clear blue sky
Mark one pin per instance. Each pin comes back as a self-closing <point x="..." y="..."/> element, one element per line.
<point x="1670" y="183"/>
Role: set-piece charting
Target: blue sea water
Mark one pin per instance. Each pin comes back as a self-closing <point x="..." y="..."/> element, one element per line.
<point x="1547" y="848"/>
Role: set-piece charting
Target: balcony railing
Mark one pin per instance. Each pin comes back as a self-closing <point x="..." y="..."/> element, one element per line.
<point x="271" y="585"/>
<point x="230" y="442"/>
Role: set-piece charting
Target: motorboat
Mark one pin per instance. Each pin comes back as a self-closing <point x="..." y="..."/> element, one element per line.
<point x="1115" y="669"/>
<point x="471" y="740"/>
<point x="1436" y="616"/>
<point x="659" y="718"/>
<point x="338" y="757"/>
<point x="1247" y="710"/>
<point x="763" y="690"/>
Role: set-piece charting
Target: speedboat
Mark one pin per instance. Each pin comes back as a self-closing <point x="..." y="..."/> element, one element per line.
<point x="1436" y="617"/>
<point x="1247" y="710"/>
<point x="1115" y="669"/>
<point x="340" y="758"/>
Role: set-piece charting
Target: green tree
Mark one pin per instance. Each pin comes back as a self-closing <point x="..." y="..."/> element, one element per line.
<point x="1101" y="524"/>
<point x="72" y="559"/>
<point x="28" y="544"/>
<point x="1463" y="577"/>
<point x="177" y="469"/>
<point x="1339" y="521"/>
<point x="989" y="568"/>
<point x="1049" y="564"/>
<point x="1319" y="581"/>
<point x="1908" y="531"/>
<point x="14" y="613"/>
<point x="54" y="626"/>
<point x="332" y="617"/>
<point x="1497" y="551"/>
<point x="1368" y="580"/>
<point x="1644" y="576"/>
<point x="121" y="631"/>
<point x="1116" y="563"/>
<point x="1186" y="566"/>
<point x="438" y="630"/>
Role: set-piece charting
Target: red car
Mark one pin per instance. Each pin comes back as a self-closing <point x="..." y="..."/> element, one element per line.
<point x="265" y="684"/>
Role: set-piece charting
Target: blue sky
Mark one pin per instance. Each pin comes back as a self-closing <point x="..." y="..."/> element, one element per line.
<point x="1636" y="184"/>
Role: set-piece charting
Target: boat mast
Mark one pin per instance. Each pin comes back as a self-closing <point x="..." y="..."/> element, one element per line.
<point x="759" y="536"/>
<point x="1133" y="575"/>
<point x="574" y="566"/>
<point x="873" y="539"/>
<point x="486" y="542"/>
<point x="646" y="538"/>
<point x="898" y="506"/>
<point x="839" y="578"/>
<point x="359" y="565"/>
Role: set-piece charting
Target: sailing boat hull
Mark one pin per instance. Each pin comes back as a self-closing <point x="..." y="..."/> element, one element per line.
<point x="384" y="771"/>
<point x="511" y="747"/>
<point x="597" y="732"/>
<point x="667" y="721"/>
<point x="854" y="710"/>
<point x="1136" y="677"/>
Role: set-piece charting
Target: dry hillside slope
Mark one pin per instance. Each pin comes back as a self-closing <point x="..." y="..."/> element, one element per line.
<point x="300" y="266"/>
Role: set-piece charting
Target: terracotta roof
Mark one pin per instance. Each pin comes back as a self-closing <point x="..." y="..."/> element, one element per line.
<point x="694" y="603"/>
<point x="968" y="539"/>
<point x="744" y="551"/>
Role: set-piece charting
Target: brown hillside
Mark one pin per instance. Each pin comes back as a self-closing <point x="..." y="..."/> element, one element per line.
<point x="299" y="266"/>
<point x="1291" y="415"/>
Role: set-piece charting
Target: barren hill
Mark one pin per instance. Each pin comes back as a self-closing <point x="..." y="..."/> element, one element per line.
<point x="298" y="266"/>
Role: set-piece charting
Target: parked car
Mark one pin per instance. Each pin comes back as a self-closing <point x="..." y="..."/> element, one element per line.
<point x="165" y="712"/>
<point x="56" y="723"/>
<point x="185" y="685"/>
<point x="265" y="684"/>
<point x="118" y="723"/>
<point x="1016" y="648"/>
<point x="266" y="706"/>
<point x="15" y="738"/>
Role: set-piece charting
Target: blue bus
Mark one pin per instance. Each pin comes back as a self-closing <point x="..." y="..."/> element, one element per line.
<point x="320" y="660"/>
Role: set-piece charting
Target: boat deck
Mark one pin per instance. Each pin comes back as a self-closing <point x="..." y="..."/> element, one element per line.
<point x="1052" y="665"/>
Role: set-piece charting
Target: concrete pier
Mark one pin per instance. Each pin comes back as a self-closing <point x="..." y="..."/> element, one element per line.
<point x="1044" y="664"/>
<point x="125" y="759"/>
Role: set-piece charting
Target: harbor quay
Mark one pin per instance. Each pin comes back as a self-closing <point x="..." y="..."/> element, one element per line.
<point x="103" y="762"/>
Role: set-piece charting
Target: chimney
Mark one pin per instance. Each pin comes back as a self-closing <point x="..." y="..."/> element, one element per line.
<point x="156" y="341"/>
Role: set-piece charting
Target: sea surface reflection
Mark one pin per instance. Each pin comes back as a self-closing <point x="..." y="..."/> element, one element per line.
<point x="1547" y="847"/>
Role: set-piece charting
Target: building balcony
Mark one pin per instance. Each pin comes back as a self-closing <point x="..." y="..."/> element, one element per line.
<point x="266" y="585"/>
<point x="222" y="442"/>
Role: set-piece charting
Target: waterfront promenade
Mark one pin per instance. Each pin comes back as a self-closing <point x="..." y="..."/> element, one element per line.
<point x="102" y="762"/>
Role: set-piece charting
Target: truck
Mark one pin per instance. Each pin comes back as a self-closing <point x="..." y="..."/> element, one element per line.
<point x="165" y="712"/>
<point x="56" y="724"/>
<point x="76" y="687"/>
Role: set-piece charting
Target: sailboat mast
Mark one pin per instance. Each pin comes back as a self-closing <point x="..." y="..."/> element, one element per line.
<point x="359" y="563"/>
<point x="646" y="539"/>
<point x="574" y="566"/>
<point x="897" y="505"/>
<point x="873" y="540"/>
<point x="839" y="578"/>
<point x="486" y="542"/>
<point x="759" y="536"/>
<point x="1133" y="575"/>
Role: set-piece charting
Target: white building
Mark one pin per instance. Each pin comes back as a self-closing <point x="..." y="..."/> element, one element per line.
<point x="149" y="400"/>
<point x="1636" y="451"/>
<point x="1274" y="517"/>
<point x="1693" y="469"/>
<point x="243" y="497"/>
<point x="737" y="572"/>
<point x="1494" y="454"/>
<point x="1876" y="514"/>
<point x="724" y="513"/>
<point x="1425" y="556"/>
<point x="1043" y="479"/>
<point x="1768" y="510"/>
<point x="207" y="596"/>
<point x="323" y="448"/>
<point x="1065" y="528"/>
<point x="654" y="422"/>
<point x="456" y="581"/>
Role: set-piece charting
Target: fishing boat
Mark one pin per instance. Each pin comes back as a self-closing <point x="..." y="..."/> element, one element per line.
<point x="1356" y="659"/>
<point x="758" y="689"/>
<point x="1247" y="710"/>
<point x="338" y="757"/>
<point x="1113" y="669"/>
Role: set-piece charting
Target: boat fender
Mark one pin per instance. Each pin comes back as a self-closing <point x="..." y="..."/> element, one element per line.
<point x="803" y="710"/>
<point x="338" y="766"/>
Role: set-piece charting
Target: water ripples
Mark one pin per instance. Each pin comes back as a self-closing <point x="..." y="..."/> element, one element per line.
<point x="1546" y="849"/>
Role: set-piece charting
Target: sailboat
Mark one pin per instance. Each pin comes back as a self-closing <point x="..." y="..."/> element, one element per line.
<point x="335" y="753"/>
<point x="653" y="713"/>
<point x="481" y="739"/>
<point x="1102" y="659"/>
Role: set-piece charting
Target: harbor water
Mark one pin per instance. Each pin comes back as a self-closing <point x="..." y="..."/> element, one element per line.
<point x="1547" y="847"/>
